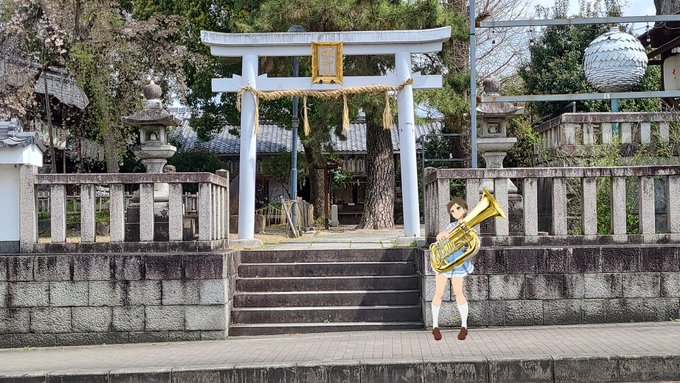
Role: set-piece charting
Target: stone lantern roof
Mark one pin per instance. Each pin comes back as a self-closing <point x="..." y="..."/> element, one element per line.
<point x="496" y="109"/>
<point x="153" y="112"/>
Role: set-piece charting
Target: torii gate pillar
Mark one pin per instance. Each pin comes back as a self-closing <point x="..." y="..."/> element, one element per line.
<point x="248" y="159"/>
<point x="407" y="143"/>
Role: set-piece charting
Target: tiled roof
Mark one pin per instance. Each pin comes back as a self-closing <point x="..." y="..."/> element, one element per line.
<point x="273" y="138"/>
<point x="11" y="134"/>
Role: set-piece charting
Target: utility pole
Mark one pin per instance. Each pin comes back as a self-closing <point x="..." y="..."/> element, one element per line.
<point x="294" y="134"/>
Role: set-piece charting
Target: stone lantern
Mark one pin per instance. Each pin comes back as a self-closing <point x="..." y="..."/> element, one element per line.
<point x="153" y="152"/>
<point x="153" y="122"/>
<point x="493" y="144"/>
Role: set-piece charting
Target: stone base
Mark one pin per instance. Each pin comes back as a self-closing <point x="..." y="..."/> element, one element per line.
<point x="245" y="243"/>
<point x="7" y="247"/>
<point x="409" y="242"/>
<point x="115" y="297"/>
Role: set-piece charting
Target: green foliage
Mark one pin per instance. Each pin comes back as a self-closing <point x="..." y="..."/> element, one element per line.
<point x="131" y="164"/>
<point x="522" y="153"/>
<point x="211" y="15"/>
<point x="108" y="53"/>
<point x="196" y="161"/>
<point x="277" y="167"/>
<point x="340" y="176"/>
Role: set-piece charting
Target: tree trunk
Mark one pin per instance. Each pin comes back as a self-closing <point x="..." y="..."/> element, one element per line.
<point x="50" y="128"/>
<point x="379" y="204"/>
<point x="666" y="7"/>
<point x="314" y="157"/>
<point x="111" y="152"/>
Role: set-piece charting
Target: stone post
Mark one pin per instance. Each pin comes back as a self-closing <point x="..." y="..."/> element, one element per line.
<point x="21" y="153"/>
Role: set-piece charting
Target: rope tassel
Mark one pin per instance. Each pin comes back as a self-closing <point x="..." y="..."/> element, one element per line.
<point x="305" y="124"/>
<point x="345" y="115"/>
<point x="387" y="113"/>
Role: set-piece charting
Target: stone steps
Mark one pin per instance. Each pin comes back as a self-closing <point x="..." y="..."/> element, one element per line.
<point x="327" y="298"/>
<point x="326" y="314"/>
<point x="325" y="269"/>
<point x="364" y="282"/>
<point x="306" y="291"/>
<point x="298" y="256"/>
<point x="304" y="328"/>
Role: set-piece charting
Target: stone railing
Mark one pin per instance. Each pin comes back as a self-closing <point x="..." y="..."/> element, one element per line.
<point x="211" y="220"/>
<point x="533" y="195"/>
<point x="574" y="133"/>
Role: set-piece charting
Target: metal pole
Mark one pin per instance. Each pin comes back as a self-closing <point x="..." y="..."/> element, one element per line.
<point x="294" y="134"/>
<point x="576" y="21"/>
<point x="326" y="192"/>
<point x="473" y="88"/>
<point x="583" y="96"/>
<point x="615" y="108"/>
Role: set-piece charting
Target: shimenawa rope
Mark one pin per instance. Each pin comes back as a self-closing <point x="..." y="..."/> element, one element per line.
<point x="322" y="94"/>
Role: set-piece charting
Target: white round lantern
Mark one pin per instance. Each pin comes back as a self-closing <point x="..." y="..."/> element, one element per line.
<point x="615" y="61"/>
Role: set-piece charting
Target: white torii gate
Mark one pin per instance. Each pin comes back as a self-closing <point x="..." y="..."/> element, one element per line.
<point x="250" y="46"/>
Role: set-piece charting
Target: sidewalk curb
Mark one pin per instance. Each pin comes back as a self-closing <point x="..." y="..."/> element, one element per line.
<point x="496" y="369"/>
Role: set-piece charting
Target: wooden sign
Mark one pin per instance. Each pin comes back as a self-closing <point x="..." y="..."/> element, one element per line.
<point x="326" y="63"/>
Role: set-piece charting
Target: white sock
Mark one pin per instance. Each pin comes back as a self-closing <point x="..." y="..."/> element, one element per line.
<point x="463" y="310"/>
<point x="435" y="316"/>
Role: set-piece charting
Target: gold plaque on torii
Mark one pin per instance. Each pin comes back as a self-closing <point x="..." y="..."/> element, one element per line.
<point x="327" y="62"/>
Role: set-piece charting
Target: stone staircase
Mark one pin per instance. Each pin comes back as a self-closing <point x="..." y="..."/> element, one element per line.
<point x="305" y="291"/>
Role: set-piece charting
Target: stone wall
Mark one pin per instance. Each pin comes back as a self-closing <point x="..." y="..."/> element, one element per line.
<point x="64" y="299"/>
<point x="533" y="286"/>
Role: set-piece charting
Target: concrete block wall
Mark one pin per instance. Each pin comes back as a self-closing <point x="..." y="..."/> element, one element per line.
<point x="65" y="299"/>
<point x="536" y="286"/>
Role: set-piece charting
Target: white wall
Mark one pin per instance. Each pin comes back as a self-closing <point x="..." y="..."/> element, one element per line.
<point x="9" y="202"/>
<point x="29" y="155"/>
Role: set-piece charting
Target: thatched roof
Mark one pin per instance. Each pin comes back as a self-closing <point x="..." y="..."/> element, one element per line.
<point x="59" y="83"/>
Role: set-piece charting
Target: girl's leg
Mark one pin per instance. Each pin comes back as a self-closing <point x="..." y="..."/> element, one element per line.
<point x="440" y="285"/>
<point x="457" y="285"/>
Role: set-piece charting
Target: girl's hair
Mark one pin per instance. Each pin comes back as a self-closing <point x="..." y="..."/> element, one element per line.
<point x="458" y="201"/>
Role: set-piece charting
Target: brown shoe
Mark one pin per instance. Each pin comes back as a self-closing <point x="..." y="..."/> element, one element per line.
<point x="463" y="333"/>
<point x="437" y="334"/>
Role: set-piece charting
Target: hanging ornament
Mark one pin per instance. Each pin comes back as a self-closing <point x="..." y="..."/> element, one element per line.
<point x="615" y="61"/>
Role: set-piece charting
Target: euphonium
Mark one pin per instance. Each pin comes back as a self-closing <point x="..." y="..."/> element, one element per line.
<point x="462" y="235"/>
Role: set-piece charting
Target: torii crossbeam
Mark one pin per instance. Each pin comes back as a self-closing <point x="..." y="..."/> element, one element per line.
<point x="401" y="44"/>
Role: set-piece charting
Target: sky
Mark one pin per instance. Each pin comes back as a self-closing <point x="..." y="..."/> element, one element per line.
<point x="632" y="8"/>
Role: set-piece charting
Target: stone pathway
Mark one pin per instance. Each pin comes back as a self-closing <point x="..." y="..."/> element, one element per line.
<point x="344" y="237"/>
<point x="609" y="341"/>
